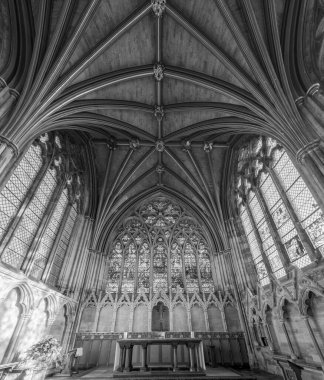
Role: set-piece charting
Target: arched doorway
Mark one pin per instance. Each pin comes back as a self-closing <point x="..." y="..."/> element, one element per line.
<point x="160" y="317"/>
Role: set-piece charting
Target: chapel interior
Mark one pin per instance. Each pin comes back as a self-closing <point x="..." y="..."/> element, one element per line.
<point x="162" y="186"/>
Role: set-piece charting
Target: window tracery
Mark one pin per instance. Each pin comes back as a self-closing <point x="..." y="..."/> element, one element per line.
<point x="14" y="192"/>
<point x="264" y="168"/>
<point x="164" y="239"/>
<point x="30" y="214"/>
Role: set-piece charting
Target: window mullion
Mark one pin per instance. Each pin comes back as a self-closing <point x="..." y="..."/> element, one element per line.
<point x="183" y="270"/>
<point x="46" y="217"/>
<point x="258" y="240"/>
<point x="151" y="268"/>
<point x="50" y="260"/>
<point x="136" y="269"/>
<point x="28" y="198"/>
<point x="169" y="269"/>
<point x="198" y="271"/>
<point x="121" y="278"/>
<point x="313" y="254"/>
<point x="273" y="230"/>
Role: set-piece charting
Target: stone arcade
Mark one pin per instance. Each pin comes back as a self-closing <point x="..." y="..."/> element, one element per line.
<point x="162" y="186"/>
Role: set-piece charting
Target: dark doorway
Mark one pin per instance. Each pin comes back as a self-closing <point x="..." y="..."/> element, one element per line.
<point x="160" y="318"/>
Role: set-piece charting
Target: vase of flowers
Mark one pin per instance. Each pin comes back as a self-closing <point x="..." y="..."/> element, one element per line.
<point x="37" y="359"/>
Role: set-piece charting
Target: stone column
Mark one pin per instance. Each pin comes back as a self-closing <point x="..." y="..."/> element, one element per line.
<point x="122" y="358"/>
<point x="191" y="356"/>
<point x="144" y="367"/>
<point x="201" y="356"/>
<point x="292" y="352"/>
<point x="129" y="357"/>
<point x="174" y="355"/>
<point x="198" y="367"/>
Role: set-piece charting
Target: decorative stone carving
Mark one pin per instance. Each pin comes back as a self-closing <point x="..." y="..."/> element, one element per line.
<point x="186" y="146"/>
<point x="158" y="7"/>
<point x="159" y="145"/>
<point x="159" y="112"/>
<point x="160" y="169"/>
<point x="208" y="146"/>
<point x="134" y="144"/>
<point x="158" y="71"/>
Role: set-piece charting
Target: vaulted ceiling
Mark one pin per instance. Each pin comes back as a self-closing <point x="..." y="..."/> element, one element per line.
<point x="160" y="93"/>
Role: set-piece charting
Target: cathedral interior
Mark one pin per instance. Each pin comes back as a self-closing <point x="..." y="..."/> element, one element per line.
<point x="162" y="178"/>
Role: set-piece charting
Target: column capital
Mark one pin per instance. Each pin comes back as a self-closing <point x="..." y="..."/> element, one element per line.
<point x="313" y="89"/>
<point x="308" y="148"/>
<point x="6" y="143"/>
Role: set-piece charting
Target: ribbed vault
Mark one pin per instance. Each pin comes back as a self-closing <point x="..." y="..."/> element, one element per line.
<point x="159" y="92"/>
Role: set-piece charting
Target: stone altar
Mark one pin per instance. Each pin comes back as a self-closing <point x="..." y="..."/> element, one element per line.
<point x="124" y="353"/>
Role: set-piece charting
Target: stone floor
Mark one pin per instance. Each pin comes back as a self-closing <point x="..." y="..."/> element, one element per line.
<point x="219" y="373"/>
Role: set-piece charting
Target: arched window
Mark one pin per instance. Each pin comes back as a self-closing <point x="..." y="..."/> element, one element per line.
<point x="36" y="215"/>
<point x="62" y="246"/>
<point x="281" y="219"/>
<point x="15" y="190"/>
<point x="159" y="247"/>
<point x="46" y="241"/>
<point x="23" y="236"/>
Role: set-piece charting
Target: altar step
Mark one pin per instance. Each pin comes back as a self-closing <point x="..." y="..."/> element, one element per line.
<point x="219" y="373"/>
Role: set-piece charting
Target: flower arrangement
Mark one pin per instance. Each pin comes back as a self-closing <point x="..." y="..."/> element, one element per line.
<point x="43" y="354"/>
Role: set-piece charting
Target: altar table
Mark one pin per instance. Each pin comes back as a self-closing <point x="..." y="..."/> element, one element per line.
<point x="124" y="353"/>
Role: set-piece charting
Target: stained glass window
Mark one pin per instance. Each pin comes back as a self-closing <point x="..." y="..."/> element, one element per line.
<point x="253" y="168"/>
<point x="144" y="259"/>
<point x="115" y="265"/>
<point x="13" y="194"/>
<point x="160" y="267"/>
<point x="304" y="204"/>
<point x="190" y="265"/>
<point x="47" y="240"/>
<point x="24" y="234"/>
<point x="129" y="267"/>
<point x="159" y="234"/>
<point x="176" y="266"/>
<point x="283" y="222"/>
<point x="267" y="240"/>
<point x="62" y="247"/>
<point x="204" y="267"/>
<point x="254" y="247"/>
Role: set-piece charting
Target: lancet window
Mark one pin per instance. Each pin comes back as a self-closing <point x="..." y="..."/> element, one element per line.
<point x="281" y="219"/>
<point x="159" y="247"/>
<point x="38" y="209"/>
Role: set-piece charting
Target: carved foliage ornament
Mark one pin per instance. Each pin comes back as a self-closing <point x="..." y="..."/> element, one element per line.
<point x="158" y="71"/>
<point x="158" y="7"/>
